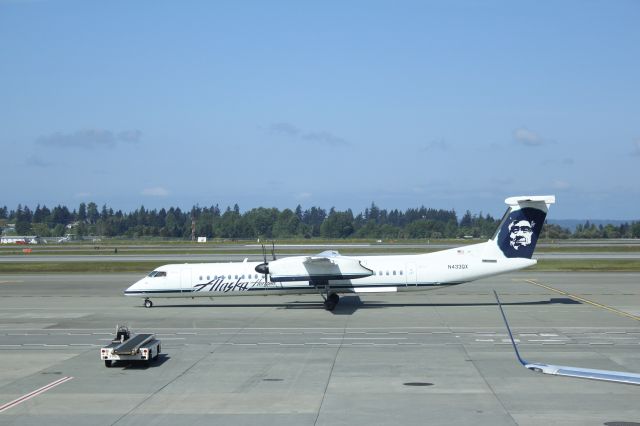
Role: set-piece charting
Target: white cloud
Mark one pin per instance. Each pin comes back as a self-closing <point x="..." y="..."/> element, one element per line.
<point x="325" y="138"/>
<point x="560" y="184"/>
<point x="156" y="191"/>
<point x="321" y="137"/>
<point x="304" y="196"/>
<point x="527" y="137"/>
<point x="284" y="129"/>
<point x="89" y="138"/>
<point x="36" y="161"/>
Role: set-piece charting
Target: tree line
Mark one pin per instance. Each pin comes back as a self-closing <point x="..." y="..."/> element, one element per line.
<point x="272" y="223"/>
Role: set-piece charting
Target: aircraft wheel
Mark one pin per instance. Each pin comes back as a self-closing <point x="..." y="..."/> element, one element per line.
<point x="334" y="298"/>
<point x="331" y="302"/>
<point x="107" y="363"/>
<point x="148" y="303"/>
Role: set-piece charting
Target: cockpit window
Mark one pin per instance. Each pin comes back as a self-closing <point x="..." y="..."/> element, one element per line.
<point x="154" y="274"/>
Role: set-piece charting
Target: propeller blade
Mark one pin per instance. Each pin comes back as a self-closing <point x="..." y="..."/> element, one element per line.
<point x="263" y="268"/>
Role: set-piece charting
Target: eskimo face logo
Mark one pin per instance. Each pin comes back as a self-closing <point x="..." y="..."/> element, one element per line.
<point x="520" y="232"/>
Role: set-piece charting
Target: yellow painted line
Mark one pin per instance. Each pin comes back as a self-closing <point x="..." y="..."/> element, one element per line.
<point x="582" y="299"/>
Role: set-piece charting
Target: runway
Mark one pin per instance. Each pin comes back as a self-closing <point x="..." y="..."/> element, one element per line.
<point x="438" y="357"/>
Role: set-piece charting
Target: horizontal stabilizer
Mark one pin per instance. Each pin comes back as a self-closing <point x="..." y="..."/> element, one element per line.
<point x="531" y="199"/>
<point x="567" y="371"/>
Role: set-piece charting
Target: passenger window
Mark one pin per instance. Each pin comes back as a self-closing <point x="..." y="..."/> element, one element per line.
<point x="400" y="272"/>
<point x="394" y="272"/>
<point x="379" y="272"/>
<point x="387" y="272"/>
<point x="200" y="277"/>
<point x="229" y="276"/>
<point x="208" y="279"/>
<point x="236" y="277"/>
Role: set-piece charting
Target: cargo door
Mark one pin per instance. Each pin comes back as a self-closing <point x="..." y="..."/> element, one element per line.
<point x="411" y="274"/>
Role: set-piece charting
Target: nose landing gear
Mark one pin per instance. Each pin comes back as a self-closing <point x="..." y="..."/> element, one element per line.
<point x="148" y="303"/>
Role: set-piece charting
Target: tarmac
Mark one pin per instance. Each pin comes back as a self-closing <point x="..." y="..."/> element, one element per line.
<point x="435" y="357"/>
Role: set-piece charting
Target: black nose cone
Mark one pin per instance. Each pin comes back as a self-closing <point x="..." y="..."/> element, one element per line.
<point x="262" y="268"/>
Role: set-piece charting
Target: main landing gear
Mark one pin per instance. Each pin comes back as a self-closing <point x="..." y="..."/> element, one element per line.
<point x="148" y="303"/>
<point x="331" y="299"/>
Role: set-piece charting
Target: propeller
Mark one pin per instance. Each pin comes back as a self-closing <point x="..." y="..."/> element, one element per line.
<point x="263" y="268"/>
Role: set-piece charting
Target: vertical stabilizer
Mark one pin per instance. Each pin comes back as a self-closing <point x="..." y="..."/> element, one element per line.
<point x="521" y="225"/>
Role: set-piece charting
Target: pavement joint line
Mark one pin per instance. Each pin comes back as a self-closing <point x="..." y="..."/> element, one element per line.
<point x="582" y="299"/>
<point x="34" y="393"/>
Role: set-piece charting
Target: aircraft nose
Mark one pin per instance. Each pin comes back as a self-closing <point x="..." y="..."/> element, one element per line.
<point x="134" y="288"/>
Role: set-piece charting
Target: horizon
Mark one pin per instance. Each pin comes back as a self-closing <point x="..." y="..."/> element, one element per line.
<point x="223" y="208"/>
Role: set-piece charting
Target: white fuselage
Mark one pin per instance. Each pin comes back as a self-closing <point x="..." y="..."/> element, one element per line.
<point x="390" y="274"/>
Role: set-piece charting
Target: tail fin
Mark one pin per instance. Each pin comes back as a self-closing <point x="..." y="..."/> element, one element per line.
<point x="521" y="225"/>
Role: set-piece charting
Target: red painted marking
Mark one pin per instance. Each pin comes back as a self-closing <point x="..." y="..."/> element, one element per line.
<point x="33" y="394"/>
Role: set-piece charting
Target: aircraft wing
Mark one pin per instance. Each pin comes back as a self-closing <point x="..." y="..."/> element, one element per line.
<point x="567" y="371"/>
<point x="586" y="373"/>
<point x="328" y="265"/>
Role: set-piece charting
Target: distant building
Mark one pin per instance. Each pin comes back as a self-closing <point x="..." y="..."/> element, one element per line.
<point x="8" y="228"/>
<point x="20" y="239"/>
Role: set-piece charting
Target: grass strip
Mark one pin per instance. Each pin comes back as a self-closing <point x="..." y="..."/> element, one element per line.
<point x="546" y="265"/>
<point x="587" y="265"/>
<point x="78" y="267"/>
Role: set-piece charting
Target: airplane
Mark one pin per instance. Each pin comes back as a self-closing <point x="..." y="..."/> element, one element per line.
<point x="330" y="273"/>
<point x="568" y="371"/>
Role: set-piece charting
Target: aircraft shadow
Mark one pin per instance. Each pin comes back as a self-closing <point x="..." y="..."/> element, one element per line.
<point x="350" y="304"/>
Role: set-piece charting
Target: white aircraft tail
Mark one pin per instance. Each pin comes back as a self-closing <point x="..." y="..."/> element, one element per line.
<point x="518" y="233"/>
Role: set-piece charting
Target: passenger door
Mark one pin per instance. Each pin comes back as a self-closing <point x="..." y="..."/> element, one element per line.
<point x="185" y="281"/>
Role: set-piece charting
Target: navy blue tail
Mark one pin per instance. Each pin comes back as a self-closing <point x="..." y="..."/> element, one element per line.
<point x="519" y="231"/>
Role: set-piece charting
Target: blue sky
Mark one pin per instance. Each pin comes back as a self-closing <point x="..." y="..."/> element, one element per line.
<point x="278" y="103"/>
